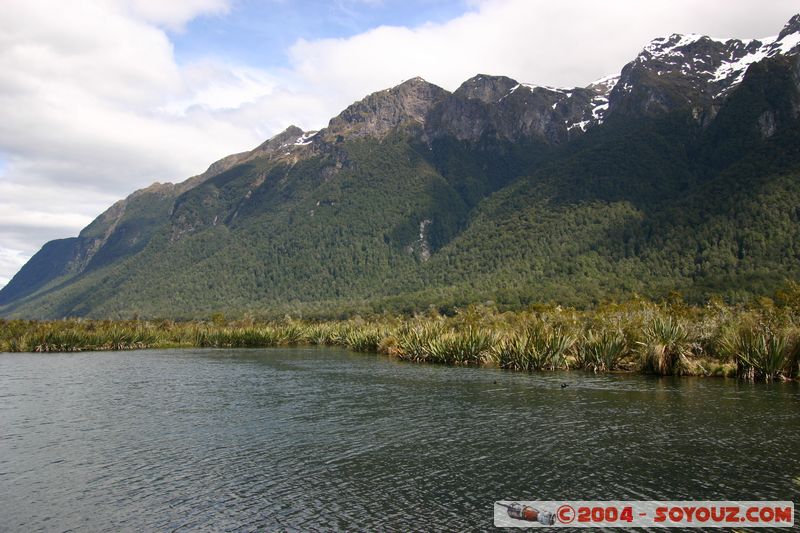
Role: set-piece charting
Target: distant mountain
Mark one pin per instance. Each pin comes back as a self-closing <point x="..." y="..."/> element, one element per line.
<point x="682" y="173"/>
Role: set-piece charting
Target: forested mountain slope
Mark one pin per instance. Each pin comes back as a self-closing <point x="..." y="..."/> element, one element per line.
<point x="680" y="174"/>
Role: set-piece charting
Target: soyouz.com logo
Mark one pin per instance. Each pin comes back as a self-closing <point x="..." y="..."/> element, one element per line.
<point x="510" y="513"/>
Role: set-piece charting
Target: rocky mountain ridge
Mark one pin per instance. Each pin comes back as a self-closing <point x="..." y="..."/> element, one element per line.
<point x="705" y="69"/>
<point x="708" y="67"/>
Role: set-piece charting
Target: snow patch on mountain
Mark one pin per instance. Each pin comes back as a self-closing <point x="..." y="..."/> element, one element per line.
<point x="599" y="109"/>
<point x="787" y="45"/>
<point x="733" y="72"/>
<point x="719" y="63"/>
<point x="668" y="46"/>
<point x="306" y="138"/>
<point x="582" y="125"/>
<point x="605" y="84"/>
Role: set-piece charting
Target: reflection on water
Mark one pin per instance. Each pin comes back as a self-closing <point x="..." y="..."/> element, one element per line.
<point x="320" y="439"/>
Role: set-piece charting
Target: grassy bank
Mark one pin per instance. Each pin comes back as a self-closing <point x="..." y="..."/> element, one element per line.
<point x="757" y="343"/>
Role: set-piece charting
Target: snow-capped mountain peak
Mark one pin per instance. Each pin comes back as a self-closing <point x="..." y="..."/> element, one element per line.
<point x="787" y="43"/>
<point x="713" y="65"/>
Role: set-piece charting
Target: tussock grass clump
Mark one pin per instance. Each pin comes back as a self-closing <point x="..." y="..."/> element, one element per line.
<point x="321" y="334"/>
<point x="666" y="347"/>
<point x="468" y="347"/>
<point x="365" y="339"/>
<point x="414" y="341"/>
<point x="243" y="337"/>
<point x="290" y="334"/>
<point x="762" y="354"/>
<point x="601" y="352"/>
<point x="537" y="348"/>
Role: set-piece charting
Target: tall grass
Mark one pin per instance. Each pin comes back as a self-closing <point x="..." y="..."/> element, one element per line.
<point x="763" y="354"/>
<point x="537" y="348"/>
<point x="601" y="351"/>
<point x="666" y="347"/>
<point x="468" y="347"/>
<point x="412" y="341"/>
<point x="363" y="339"/>
<point x="757" y="342"/>
<point x="242" y="337"/>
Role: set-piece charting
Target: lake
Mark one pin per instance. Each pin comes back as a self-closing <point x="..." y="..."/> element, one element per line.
<point x="320" y="439"/>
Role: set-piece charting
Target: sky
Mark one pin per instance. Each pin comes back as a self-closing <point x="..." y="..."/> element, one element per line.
<point x="99" y="98"/>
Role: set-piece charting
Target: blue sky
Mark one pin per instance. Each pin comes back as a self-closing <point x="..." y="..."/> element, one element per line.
<point x="259" y="32"/>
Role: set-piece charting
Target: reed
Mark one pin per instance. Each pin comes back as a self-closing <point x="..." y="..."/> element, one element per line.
<point x="666" y="347"/>
<point x="290" y="334"/>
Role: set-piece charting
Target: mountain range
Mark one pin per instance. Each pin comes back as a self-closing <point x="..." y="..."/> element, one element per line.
<point x="679" y="174"/>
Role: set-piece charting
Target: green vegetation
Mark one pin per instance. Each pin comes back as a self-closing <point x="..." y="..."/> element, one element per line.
<point x="641" y="205"/>
<point x="601" y="352"/>
<point x="539" y="347"/>
<point x="763" y="354"/>
<point x="666" y="348"/>
<point x="757" y="343"/>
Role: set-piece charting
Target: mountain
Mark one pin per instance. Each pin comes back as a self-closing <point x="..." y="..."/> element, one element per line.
<point x="681" y="173"/>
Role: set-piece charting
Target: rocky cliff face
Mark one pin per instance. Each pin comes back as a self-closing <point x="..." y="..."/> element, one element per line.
<point x="408" y="104"/>
<point x="502" y="108"/>
<point x="693" y="72"/>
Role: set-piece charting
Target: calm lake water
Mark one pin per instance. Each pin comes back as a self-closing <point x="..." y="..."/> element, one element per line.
<point x="321" y="439"/>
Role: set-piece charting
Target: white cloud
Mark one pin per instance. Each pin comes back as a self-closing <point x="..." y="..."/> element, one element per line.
<point x="94" y="105"/>
<point x="174" y="13"/>
<point x="540" y="41"/>
<point x="10" y="261"/>
<point x="84" y="119"/>
<point x="218" y="86"/>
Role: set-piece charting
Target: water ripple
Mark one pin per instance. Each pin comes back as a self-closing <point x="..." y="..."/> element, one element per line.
<point x="322" y="439"/>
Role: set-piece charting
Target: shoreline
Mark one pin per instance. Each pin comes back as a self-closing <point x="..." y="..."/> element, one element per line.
<point x="639" y="337"/>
